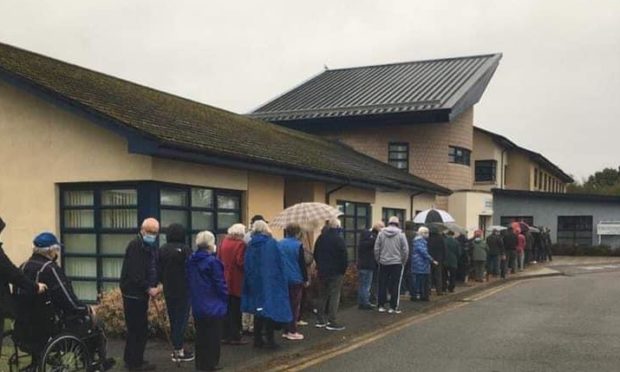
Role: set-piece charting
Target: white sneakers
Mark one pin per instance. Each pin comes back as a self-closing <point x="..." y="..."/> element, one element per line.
<point x="293" y="336"/>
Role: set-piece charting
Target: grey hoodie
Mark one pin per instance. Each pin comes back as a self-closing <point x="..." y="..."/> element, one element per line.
<point x="391" y="247"/>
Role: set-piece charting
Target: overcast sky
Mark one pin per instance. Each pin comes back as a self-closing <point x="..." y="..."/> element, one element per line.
<point x="556" y="89"/>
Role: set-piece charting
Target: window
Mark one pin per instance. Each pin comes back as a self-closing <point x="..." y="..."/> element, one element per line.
<point x="459" y="155"/>
<point x="485" y="170"/>
<point x="398" y="155"/>
<point x="355" y="220"/>
<point x="198" y="209"/>
<point x="389" y="212"/>
<point x="575" y="230"/>
<point x="96" y="224"/>
<point x="507" y="220"/>
<point x="98" y="220"/>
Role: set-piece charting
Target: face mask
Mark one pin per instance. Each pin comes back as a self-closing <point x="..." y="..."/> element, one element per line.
<point x="149" y="239"/>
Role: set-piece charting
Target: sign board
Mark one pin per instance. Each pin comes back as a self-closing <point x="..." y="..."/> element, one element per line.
<point x="608" y="228"/>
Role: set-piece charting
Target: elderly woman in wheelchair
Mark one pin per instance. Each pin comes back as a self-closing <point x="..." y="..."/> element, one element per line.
<point x="58" y="331"/>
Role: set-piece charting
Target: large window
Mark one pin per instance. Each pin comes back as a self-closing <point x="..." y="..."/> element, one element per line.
<point x="386" y="213"/>
<point x="96" y="225"/>
<point x="398" y="155"/>
<point x="485" y="170"/>
<point x="575" y="230"/>
<point x="355" y="220"/>
<point x="507" y="220"/>
<point x="459" y="155"/>
<point x="98" y="220"/>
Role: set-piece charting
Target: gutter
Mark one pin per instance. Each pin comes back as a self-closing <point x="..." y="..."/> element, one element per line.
<point x="329" y="193"/>
<point x="411" y="212"/>
<point x="503" y="185"/>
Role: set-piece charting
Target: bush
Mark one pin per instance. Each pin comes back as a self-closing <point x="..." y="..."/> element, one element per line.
<point x="110" y="312"/>
<point x="580" y="250"/>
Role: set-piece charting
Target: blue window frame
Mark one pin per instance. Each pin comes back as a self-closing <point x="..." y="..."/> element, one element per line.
<point x="99" y="219"/>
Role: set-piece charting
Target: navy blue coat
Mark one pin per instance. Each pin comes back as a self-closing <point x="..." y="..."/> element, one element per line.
<point x="265" y="285"/>
<point x="207" y="286"/>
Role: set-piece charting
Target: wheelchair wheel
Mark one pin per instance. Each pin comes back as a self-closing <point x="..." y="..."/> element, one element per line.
<point x="65" y="353"/>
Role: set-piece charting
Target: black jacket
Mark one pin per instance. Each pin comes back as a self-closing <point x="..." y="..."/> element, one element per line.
<point x="510" y="241"/>
<point x="11" y="274"/>
<point x="139" y="271"/>
<point x="496" y="245"/>
<point x="437" y="247"/>
<point x="330" y="254"/>
<point x="366" y="251"/>
<point x="172" y="259"/>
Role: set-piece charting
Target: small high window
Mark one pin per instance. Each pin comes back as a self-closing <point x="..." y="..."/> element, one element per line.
<point x="459" y="155"/>
<point x="398" y="155"/>
<point x="486" y="170"/>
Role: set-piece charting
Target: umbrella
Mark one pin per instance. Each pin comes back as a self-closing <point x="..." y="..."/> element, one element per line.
<point x="455" y="228"/>
<point x="307" y="215"/>
<point x="433" y="215"/>
<point x="496" y="227"/>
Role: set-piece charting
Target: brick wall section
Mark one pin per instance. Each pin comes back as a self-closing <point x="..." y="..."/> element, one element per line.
<point x="428" y="147"/>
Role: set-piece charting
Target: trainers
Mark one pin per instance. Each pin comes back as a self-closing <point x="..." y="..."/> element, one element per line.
<point x="302" y="323"/>
<point x="334" y="327"/>
<point x="320" y="324"/>
<point x="293" y="336"/>
<point x="391" y="311"/>
<point x="381" y="309"/>
<point x="182" y="356"/>
<point x="396" y="311"/>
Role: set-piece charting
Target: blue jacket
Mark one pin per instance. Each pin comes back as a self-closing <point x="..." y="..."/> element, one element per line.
<point x="289" y="248"/>
<point x="420" y="259"/>
<point x="265" y="286"/>
<point x="207" y="286"/>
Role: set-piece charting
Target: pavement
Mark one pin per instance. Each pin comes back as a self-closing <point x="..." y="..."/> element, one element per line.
<point x="562" y="323"/>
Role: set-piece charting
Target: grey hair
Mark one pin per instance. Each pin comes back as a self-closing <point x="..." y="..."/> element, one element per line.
<point x="45" y="251"/>
<point x="237" y="230"/>
<point x="260" y="227"/>
<point x="206" y="239"/>
<point x="334" y="223"/>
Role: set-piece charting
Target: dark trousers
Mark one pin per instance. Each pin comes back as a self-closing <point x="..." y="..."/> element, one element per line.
<point x="137" y="323"/>
<point x="178" y="315"/>
<point x="389" y="281"/>
<point x="449" y="278"/>
<point x="263" y="327"/>
<point x="503" y="266"/>
<point x="329" y="298"/>
<point x="437" y="277"/>
<point x="295" y="292"/>
<point x="208" y="337"/>
<point x="232" y="323"/>
<point x="422" y="286"/>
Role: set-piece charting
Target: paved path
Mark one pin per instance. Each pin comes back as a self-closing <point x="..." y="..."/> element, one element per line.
<point x="568" y="323"/>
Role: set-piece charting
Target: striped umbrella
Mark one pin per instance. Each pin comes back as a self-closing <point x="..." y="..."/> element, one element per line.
<point x="433" y="216"/>
<point x="307" y="215"/>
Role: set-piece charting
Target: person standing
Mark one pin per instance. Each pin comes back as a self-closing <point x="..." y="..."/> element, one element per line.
<point x="209" y="299"/>
<point x="391" y="253"/>
<point x="496" y="247"/>
<point x="232" y="255"/>
<point x="510" y="246"/>
<point x="292" y="251"/>
<point x="172" y="259"/>
<point x="265" y="288"/>
<point x="366" y="265"/>
<point x="247" y="319"/>
<point x="453" y="255"/>
<point x="330" y="255"/>
<point x="139" y="281"/>
<point x="421" y="265"/>
<point x="437" y="250"/>
<point x="521" y="244"/>
<point x="480" y="251"/>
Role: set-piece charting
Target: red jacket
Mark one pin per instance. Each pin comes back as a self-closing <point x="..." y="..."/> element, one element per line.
<point x="521" y="243"/>
<point x="231" y="252"/>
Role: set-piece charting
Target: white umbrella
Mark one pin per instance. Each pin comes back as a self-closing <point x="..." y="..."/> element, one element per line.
<point x="433" y="216"/>
<point x="307" y="215"/>
<point x="496" y="227"/>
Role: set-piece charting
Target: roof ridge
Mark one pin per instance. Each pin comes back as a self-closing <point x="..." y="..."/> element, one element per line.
<point x="414" y="62"/>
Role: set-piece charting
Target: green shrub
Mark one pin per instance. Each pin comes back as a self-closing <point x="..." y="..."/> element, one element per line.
<point x="581" y="250"/>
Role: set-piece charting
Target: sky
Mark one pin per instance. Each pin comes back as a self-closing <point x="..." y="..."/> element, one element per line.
<point x="555" y="90"/>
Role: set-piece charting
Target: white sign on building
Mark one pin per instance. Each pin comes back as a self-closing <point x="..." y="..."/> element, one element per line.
<point x="608" y="228"/>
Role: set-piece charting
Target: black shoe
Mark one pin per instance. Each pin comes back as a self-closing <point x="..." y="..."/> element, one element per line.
<point x="364" y="307"/>
<point x="107" y="364"/>
<point x="334" y="327"/>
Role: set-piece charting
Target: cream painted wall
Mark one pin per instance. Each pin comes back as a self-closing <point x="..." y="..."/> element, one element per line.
<point x="396" y="199"/>
<point x="199" y="174"/>
<point x="486" y="149"/>
<point x="467" y="206"/>
<point x="265" y="196"/>
<point x="519" y="171"/>
<point x="352" y="194"/>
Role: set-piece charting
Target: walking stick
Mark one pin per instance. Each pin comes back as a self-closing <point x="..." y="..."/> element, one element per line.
<point x="161" y="315"/>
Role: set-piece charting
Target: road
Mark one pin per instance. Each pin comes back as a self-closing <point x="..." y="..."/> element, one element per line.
<point x="567" y="323"/>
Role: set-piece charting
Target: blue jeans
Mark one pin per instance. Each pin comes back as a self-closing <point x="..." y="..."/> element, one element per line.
<point x="365" y="281"/>
<point x="178" y="315"/>
<point x="422" y="286"/>
<point x="493" y="264"/>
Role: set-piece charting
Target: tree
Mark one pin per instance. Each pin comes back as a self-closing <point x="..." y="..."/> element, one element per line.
<point x="606" y="182"/>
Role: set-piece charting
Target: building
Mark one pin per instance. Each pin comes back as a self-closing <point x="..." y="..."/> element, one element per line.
<point x="88" y="156"/>
<point x="419" y="117"/>
<point x="573" y="219"/>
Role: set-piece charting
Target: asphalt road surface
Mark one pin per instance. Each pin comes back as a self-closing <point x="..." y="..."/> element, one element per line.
<point x="567" y="323"/>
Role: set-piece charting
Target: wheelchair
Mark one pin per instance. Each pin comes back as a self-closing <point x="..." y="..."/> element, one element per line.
<point x="55" y="343"/>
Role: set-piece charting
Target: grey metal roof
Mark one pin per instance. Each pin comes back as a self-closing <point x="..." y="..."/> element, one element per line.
<point x="451" y="84"/>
